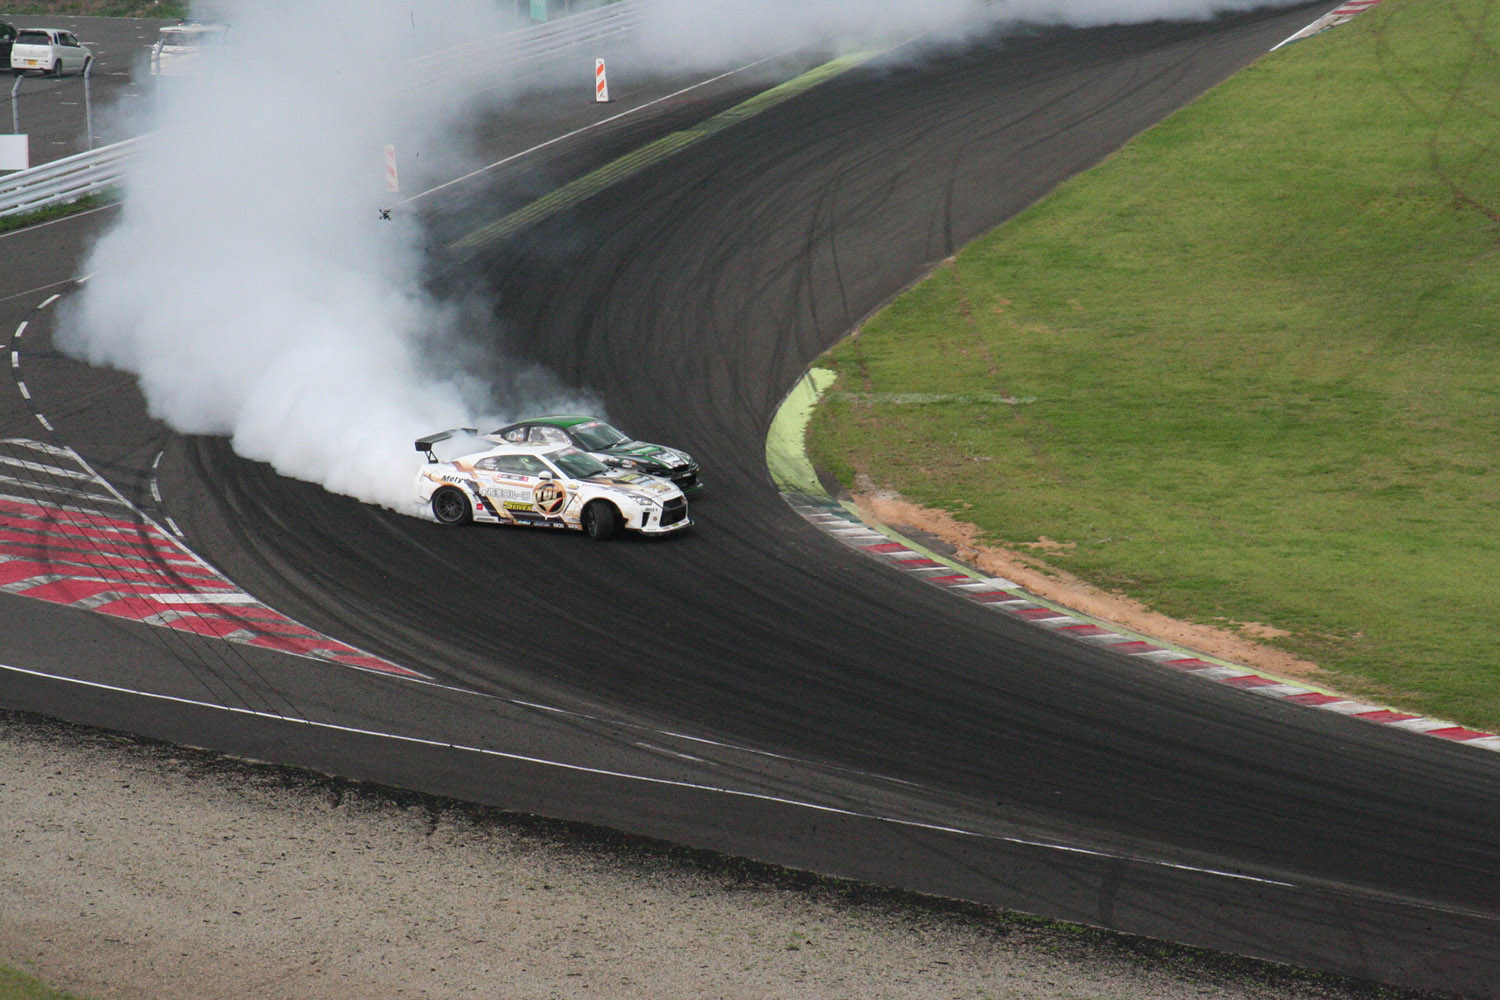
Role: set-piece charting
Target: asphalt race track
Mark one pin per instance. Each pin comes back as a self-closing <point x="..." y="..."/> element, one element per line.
<point x="754" y="687"/>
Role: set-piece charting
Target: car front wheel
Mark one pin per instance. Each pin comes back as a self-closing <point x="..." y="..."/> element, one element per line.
<point x="601" y="520"/>
<point x="450" y="506"/>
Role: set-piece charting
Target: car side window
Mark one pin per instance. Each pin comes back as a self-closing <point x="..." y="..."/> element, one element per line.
<point x="518" y="435"/>
<point x="522" y="465"/>
<point x="547" y="435"/>
<point x="66" y="39"/>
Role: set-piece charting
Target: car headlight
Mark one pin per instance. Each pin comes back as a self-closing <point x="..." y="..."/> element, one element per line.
<point x="643" y="499"/>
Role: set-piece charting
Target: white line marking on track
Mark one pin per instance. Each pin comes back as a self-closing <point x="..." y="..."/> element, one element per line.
<point x="203" y="598"/>
<point x="58" y="222"/>
<point x="49" y="301"/>
<point x="41" y="446"/>
<point x="51" y="470"/>
<point x="43" y="420"/>
<point x="33" y="291"/>
<point x="668" y="782"/>
<point x="738" y="748"/>
<point x="36" y="487"/>
<point x="674" y="753"/>
<point x="21" y="330"/>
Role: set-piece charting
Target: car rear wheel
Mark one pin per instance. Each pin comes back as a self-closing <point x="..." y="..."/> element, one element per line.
<point x="601" y="520"/>
<point x="57" y="68"/>
<point x="450" y="506"/>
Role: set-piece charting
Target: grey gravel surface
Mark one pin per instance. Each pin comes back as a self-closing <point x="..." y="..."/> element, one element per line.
<point x="135" y="869"/>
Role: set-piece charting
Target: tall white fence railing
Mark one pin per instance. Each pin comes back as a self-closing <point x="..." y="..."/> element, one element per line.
<point x="68" y="180"/>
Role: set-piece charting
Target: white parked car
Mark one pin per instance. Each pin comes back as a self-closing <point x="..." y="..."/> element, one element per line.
<point x="180" y="47"/>
<point x="48" y="50"/>
<point x="546" y="486"/>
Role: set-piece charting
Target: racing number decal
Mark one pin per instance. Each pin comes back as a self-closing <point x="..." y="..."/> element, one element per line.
<point x="550" y="497"/>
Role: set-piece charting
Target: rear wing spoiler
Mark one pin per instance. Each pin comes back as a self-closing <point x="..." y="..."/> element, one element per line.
<point x="424" y="444"/>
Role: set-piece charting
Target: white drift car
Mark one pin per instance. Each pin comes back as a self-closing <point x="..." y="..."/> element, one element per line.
<point x="546" y="486"/>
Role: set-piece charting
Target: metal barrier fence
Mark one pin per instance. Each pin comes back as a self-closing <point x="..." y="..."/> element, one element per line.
<point x="75" y="177"/>
<point x="67" y="180"/>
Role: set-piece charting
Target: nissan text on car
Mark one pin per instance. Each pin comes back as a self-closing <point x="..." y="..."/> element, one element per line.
<point x="545" y="486"/>
<point x="48" y="50"/>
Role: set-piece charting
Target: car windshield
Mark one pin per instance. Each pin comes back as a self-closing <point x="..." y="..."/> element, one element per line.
<point x="596" y="435"/>
<point x="187" y="37"/>
<point x="578" y="465"/>
<point x="33" y="38"/>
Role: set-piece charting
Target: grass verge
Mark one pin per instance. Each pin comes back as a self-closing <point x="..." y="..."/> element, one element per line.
<point x="1245" y="370"/>
<point x="172" y="9"/>
<point x="16" y="985"/>
<point x="10" y="222"/>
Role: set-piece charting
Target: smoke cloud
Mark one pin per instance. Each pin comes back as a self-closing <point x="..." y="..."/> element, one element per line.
<point x="705" y="33"/>
<point x="249" y="282"/>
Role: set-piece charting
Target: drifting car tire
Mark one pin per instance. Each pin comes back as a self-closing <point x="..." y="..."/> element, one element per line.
<point x="57" y="69"/>
<point x="601" y="520"/>
<point x="450" y="506"/>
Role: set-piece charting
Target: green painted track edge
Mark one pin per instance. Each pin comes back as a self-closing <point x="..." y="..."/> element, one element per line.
<point x="577" y="191"/>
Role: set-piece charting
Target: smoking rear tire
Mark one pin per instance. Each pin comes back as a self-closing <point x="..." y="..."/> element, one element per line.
<point x="450" y="506"/>
<point x="601" y="520"/>
<point x="57" y="69"/>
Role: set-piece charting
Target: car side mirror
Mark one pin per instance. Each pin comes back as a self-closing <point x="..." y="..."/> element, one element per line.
<point x="545" y="474"/>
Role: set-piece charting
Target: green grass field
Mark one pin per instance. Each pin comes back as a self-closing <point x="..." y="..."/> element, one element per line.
<point x="1246" y="369"/>
<point x="16" y="985"/>
<point x="100" y="8"/>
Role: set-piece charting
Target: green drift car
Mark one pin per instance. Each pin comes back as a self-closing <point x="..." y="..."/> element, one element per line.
<point x="607" y="444"/>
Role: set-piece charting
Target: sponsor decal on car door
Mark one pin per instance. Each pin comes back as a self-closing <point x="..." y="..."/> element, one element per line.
<point x="550" y="497"/>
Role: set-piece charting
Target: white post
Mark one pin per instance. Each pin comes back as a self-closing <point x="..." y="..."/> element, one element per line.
<point x="88" y="104"/>
<point x="601" y="87"/>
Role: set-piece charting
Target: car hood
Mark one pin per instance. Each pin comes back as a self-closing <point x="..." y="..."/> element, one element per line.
<point x="635" y="482"/>
<point x="668" y="458"/>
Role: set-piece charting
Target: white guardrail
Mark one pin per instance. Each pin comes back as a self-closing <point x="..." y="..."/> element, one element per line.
<point x="73" y="178"/>
<point x="64" y="181"/>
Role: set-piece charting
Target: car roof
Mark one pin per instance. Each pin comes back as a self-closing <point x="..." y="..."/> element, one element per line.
<point x="517" y="449"/>
<point x="558" y="420"/>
